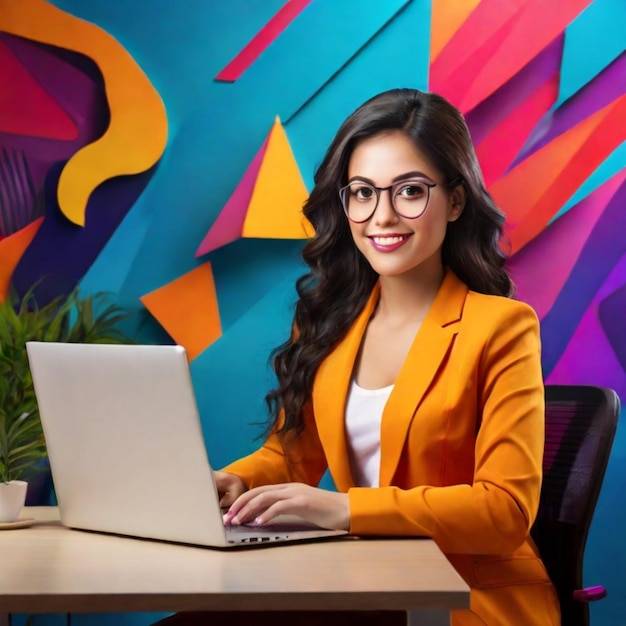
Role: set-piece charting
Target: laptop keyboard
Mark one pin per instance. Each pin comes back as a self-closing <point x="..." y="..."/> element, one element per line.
<point x="245" y="534"/>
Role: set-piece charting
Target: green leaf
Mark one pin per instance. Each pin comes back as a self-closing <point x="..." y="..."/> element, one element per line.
<point x="66" y="318"/>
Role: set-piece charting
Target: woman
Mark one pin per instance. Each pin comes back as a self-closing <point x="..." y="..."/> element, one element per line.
<point x="411" y="373"/>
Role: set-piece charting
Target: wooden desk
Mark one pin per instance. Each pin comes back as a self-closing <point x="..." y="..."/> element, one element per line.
<point x="49" y="568"/>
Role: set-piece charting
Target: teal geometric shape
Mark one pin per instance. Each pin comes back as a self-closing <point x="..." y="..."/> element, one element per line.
<point x="316" y="46"/>
<point x="377" y="67"/>
<point x="594" y="39"/>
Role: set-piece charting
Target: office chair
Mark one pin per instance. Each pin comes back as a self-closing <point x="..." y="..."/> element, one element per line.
<point x="580" y="427"/>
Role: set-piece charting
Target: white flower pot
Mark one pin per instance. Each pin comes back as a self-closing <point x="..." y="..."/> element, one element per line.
<point x="12" y="498"/>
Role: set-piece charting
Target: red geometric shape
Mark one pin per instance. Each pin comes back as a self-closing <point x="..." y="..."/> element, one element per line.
<point x="25" y="107"/>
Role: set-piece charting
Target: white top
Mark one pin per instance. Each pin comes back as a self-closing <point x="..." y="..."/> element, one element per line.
<point x="364" y="411"/>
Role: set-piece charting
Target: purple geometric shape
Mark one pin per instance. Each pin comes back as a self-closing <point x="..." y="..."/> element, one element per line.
<point x="604" y="248"/>
<point x="75" y="82"/>
<point x="20" y="204"/>
<point x="495" y="109"/>
<point x="612" y="314"/>
<point x="589" y="357"/>
<point x="62" y="252"/>
<point x="606" y="87"/>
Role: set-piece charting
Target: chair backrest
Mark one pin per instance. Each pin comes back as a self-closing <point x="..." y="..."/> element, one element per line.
<point x="580" y="428"/>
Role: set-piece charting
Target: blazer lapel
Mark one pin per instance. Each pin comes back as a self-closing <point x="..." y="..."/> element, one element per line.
<point x="332" y="382"/>
<point x="330" y="393"/>
<point x="425" y="357"/>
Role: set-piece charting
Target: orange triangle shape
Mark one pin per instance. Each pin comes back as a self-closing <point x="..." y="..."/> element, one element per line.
<point x="275" y="209"/>
<point x="187" y="309"/>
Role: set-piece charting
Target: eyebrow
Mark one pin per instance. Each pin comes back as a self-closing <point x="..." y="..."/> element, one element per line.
<point x="396" y="179"/>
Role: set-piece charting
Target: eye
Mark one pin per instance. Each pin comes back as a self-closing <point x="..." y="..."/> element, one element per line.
<point x="411" y="189"/>
<point x="362" y="192"/>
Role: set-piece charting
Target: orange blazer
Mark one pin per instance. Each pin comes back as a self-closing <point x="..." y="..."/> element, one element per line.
<point x="462" y="439"/>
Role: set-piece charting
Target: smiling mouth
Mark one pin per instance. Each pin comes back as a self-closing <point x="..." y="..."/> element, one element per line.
<point x="389" y="240"/>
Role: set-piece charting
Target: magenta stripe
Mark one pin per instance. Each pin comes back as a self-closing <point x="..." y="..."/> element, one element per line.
<point x="262" y="40"/>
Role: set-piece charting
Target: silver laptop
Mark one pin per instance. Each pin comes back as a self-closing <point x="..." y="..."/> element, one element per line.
<point x="126" y="447"/>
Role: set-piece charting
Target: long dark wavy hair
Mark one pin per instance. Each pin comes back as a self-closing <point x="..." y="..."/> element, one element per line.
<point x="340" y="280"/>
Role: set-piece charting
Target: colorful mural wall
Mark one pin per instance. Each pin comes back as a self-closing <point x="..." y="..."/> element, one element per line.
<point x="162" y="151"/>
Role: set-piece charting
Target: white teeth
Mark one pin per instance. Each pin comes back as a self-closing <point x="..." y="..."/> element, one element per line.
<point x="387" y="241"/>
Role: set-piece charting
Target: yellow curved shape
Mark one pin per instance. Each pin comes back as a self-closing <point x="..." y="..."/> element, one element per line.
<point x="137" y="133"/>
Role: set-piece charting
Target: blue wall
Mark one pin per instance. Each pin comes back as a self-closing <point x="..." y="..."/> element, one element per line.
<point x="317" y="72"/>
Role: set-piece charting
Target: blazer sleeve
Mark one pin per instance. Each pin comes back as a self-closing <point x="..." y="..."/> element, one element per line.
<point x="493" y="515"/>
<point x="298" y="459"/>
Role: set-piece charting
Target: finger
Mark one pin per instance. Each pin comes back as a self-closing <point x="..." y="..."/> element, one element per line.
<point x="280" y="507"/>
<point x="244" y="498"/>
<point x="247" y="512"/>
<point x="255" y="504"/>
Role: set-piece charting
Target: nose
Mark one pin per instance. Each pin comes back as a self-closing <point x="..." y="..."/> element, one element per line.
<point x="385" y="213"/>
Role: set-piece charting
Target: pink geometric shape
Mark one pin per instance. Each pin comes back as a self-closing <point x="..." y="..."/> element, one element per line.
<point x="228" y="226"/>
<point x="483" y="119"/>
<point x="514" y="38"/>
<point x="498" y="150"/>
<point x="463" y="74"/>
<point x="538" y="24"/>
<point x="482" y="25"/>
<point x="262" y="40"/>
<point x="542" y="267"/>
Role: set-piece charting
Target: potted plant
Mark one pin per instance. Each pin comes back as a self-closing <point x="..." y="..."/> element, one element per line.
<point x="67" y="318"/>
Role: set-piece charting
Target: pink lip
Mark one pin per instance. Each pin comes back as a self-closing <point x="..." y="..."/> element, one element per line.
<point x="390" y="247"/>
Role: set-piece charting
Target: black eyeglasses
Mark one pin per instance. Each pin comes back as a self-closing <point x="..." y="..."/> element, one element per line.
<point x="409" y="198"/>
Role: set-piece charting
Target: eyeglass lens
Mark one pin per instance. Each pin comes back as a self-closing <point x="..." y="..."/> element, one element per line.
<point x="409" y="199"/>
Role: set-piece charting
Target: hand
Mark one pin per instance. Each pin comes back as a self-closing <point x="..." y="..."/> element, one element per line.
<point x="229" y="487"/>
<point x="260" y="505"/>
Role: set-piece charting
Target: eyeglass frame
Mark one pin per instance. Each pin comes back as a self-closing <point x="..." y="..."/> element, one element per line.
<point x="429" y="185"/>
